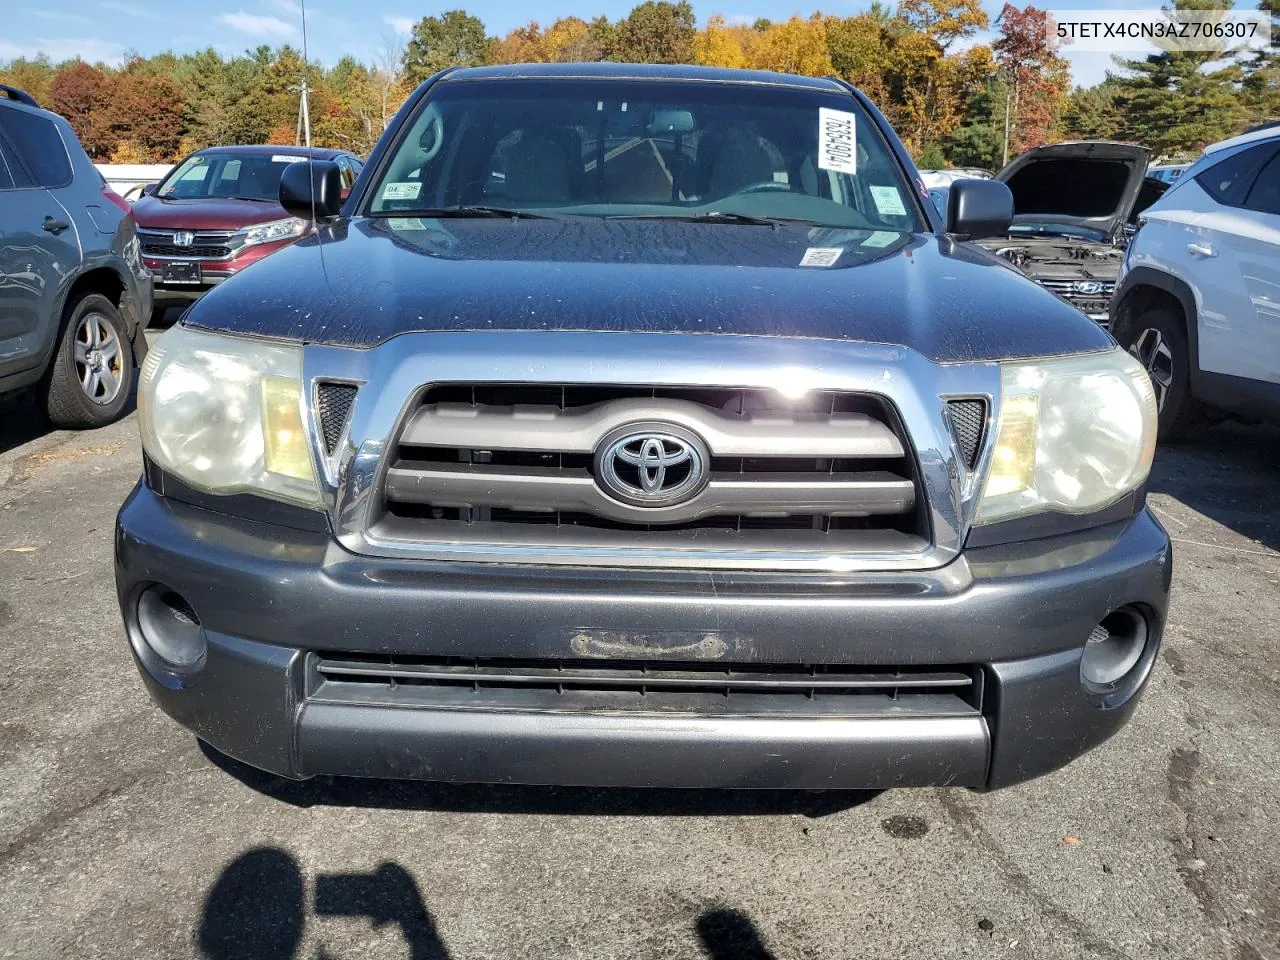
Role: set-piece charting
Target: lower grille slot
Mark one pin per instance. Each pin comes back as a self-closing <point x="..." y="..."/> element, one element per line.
<point x="644" y="685"/>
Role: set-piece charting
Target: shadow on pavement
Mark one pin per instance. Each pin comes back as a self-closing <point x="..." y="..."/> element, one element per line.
<point x="21" y="420"/>
<point x="1229" y="475"/>
<point x="555" y="801"/>
<point x="730" y="935"/>
<point x="256" y="910"/>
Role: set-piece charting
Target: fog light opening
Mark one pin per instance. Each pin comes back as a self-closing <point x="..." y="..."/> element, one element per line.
<point x="1114" y="649"/>
<point x="171" y="629"/>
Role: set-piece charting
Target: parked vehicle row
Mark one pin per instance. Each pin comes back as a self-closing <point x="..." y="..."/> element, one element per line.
<point x="1077" y="206"/>
<point x="75" y="296"/>
<point x="1199" y="295"/>
<point x="217" y="212"/>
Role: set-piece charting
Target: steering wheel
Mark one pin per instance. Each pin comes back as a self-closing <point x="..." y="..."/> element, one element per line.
<point x="432" y="138"/>
<point x="763" y="186"/>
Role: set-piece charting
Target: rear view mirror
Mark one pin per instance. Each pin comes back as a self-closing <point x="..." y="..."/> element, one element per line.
<point x="979" y="208"/>
<point x="670" y="121"/>
<point x="311" y="186"/>
<point x="149" y="190"/>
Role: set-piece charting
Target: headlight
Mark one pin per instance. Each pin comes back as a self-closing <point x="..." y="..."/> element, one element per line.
<point x="273" y="231"/>
<point x="224" y="415"/>
<point x="1075" y="435"/>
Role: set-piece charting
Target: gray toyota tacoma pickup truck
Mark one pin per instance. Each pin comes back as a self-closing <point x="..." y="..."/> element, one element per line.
<point x="643" y="426"/>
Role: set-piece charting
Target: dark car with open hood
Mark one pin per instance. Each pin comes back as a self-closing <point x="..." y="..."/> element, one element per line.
<point x="217" y="212"/>
<point x="1074" y="207"/>
<point x="643" y="425"/>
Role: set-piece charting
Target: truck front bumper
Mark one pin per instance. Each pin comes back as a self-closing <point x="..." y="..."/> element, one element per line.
<point x="273" y="602"/>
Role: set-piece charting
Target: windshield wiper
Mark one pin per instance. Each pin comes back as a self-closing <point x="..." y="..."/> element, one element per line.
<point x="465" y="212"/>
<point x="713" y="216"/>
<point x="255" y="199"/>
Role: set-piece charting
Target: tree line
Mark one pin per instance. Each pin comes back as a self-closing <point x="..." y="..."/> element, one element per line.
<point x="953" y="101"/>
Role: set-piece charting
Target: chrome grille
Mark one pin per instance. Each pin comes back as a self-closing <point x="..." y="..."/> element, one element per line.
<point x="205" y="244"/>
<point x="514" y="464"/>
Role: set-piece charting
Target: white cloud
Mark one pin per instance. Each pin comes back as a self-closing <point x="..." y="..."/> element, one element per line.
<point x="88" y="49"/>
<point x="401" y="25"/>
<point x="260" y="28"/>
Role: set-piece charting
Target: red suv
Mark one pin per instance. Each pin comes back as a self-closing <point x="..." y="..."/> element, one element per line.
<point x="217" y="212"/>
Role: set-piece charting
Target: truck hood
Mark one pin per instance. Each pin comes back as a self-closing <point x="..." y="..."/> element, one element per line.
<point x="212" y="213"/>
<point x="1090" y="184"/>
<point x="358" y="283"/>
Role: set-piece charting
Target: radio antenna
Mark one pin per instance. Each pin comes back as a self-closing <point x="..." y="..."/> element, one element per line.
<point x="304" y="110"/>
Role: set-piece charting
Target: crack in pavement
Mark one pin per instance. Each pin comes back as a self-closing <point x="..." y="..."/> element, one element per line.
<point x="968" y="822"/>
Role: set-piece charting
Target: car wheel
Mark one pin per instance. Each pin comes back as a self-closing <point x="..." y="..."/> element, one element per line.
<point x="1158" y="340"/>
<point x="91" y="377"/>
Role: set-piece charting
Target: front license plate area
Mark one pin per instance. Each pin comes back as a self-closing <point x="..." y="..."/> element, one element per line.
<point x="182" y="273"/>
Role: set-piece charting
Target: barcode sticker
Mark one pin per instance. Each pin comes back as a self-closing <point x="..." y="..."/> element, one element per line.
<point x="837" y="146"/>
<point x="285" y="158"/>
<point x="820" y="256"/>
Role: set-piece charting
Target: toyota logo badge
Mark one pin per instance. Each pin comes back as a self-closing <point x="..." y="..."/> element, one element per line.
<point x="656" y="467"/>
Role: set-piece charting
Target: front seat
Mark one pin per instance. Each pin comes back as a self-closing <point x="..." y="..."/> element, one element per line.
<point x="742" y="161"/>
<point x="538" y="170"/>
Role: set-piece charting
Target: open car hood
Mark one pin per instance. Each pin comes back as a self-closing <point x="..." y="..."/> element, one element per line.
<point x="1090" y="184"/>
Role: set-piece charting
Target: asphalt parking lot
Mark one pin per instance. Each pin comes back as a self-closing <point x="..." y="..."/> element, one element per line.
<point x="121" y="837"/>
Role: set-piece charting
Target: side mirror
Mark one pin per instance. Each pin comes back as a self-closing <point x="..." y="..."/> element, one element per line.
<point x="979" y="208"/>
<point x="149" y="189"/>
<point x="308" y="186"/>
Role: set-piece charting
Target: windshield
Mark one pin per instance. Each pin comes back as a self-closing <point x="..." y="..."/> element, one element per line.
<point x="715" y="151"/>
<point x="246" y="176"/>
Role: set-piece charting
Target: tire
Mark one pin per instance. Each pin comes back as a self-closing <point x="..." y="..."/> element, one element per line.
<point x="1158" y="338"/>
<point x="90" y="380"/>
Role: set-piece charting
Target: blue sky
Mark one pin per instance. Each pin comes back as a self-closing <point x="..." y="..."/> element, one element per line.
<point x="105" y="29"/>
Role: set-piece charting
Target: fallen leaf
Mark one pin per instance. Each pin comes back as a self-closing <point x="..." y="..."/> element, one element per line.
<point x="21" y="549"/>
<point x="1071" y="841"/>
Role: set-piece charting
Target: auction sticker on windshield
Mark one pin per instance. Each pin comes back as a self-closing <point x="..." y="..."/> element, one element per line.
<point x="888" y="201"/>
<point x="837" y="148"/>
<point x="402" y="191"/>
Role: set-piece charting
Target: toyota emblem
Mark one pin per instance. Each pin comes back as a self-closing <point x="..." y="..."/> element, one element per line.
<point x="657" y="467"/>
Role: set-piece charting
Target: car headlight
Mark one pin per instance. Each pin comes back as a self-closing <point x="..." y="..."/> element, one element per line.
<point x="224" y="415"/>
<point x="274" y="230"/>
<point x="1074" y="435"/>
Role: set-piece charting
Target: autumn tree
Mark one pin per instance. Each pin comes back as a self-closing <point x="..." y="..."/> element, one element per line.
<point x="656" y="31"/>
<point x="81" y="93"/>
<point x="859" y="49"/>
<point x="453" y="39"/>
<point x="720" y="45"/>
<point x="571" y="40"/>
<point x="796" y="46"/>
<point x="145" y="110"/>
<point x="944" y="21"/>
<point x="32" y="75"/>
<point x="1036" y="75"/>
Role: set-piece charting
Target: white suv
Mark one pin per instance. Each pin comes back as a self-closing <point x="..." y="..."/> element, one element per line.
<point x="1198" y="299"/>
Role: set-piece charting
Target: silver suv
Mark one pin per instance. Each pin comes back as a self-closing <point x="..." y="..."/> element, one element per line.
<point x="73" y="288"/>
